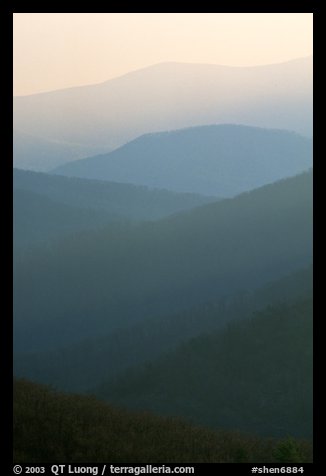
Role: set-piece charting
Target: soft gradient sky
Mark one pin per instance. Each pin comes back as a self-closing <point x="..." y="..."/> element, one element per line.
<point x="58" y="50"/>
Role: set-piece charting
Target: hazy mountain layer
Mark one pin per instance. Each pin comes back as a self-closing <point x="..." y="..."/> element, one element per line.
<point x="87" y="364"/>
<point x="38" y="219"/>
<point x="171" y="96"/>
<point x="37" y="153"/>
<point x="220" y="160"/>
<point x="96" y="282"/>
<point x="47" y="207"/>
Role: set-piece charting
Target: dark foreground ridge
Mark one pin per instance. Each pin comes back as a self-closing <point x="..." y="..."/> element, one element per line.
<point x="51" y="426"/>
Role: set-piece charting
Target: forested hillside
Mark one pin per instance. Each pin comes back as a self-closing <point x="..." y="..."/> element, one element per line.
<point x="50" y="426"/>
<point x="254" y="376"/>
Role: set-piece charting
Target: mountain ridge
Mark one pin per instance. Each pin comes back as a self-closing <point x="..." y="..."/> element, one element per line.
<point x="170" y="63"/>
<point x="162" y="97"/>
<point x="217" y="159"/>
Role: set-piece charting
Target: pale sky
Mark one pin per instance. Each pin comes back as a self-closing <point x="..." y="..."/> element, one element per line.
<point x="59" y="50"/>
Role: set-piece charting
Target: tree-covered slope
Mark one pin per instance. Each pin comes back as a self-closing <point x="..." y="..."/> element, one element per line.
<point x="254" y="376"/>
<point x="50" y="426"/>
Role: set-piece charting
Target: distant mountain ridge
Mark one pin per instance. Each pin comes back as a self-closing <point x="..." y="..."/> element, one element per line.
<point x="171" y="96"/>
<point x="221" y="160"/>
